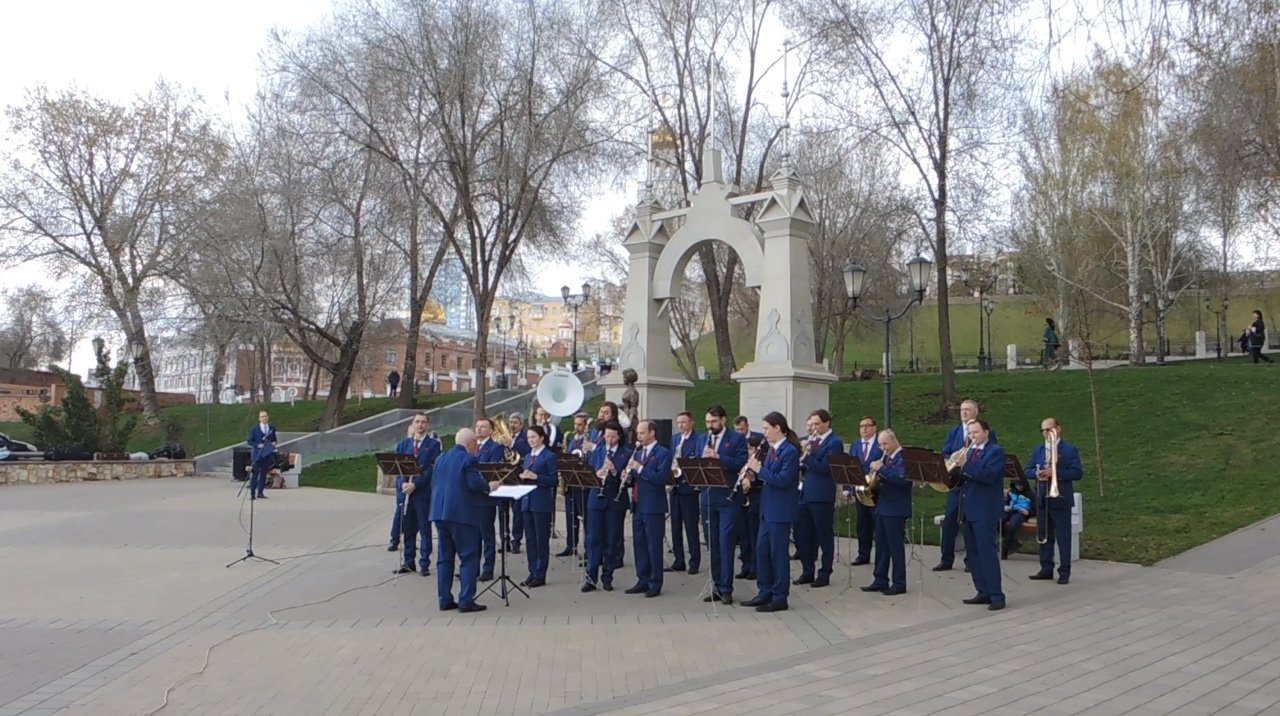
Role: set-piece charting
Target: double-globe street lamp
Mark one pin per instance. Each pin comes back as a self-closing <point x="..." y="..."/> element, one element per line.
<point x="502" y="336"/>
<point x="575" y="301"/>
<point x="981" y="280"/>
<point x="918" y="270"/>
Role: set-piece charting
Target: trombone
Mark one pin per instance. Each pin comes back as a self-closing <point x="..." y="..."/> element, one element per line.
<point x="1051" y="457"/>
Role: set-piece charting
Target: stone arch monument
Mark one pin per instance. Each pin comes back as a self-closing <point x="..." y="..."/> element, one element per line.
<point x="774" y="250"/>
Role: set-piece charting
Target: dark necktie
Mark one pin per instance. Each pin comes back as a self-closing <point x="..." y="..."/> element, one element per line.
<point x="635" y="487"/>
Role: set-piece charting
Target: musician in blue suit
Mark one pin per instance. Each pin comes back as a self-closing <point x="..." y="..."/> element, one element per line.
<point x="816" y="513"/>
<point x="721" y="506"/>
<point x="750" y="522"/>
<point x="519" y="443"/>
<point x="647" y="473"/>
<point x="1056" y="510"/>
<point x="684" y="500"/>
<point x="867" y="450"/>
<point x="983" y="495"/>
<point x="779" y="498"/>
<point x="539" y="469"/>
<point x="956" y="438"/>
<point x="606" y="508"/>
<point x="575" y="503"/>
<point x="262" y="453"/>
<point x="459" y="496"/>
<point x="417" y="492"/>
<point x="608" y="413"/>
<point x="488" y="450"/>
<point x="893" y="509"/>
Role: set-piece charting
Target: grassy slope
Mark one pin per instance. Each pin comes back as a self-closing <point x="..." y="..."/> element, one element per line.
<point x="1168" y="435"/>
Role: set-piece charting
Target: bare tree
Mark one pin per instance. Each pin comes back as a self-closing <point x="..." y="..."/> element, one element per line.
<point x="31" y="335"/>
<point x="107" y="188"/>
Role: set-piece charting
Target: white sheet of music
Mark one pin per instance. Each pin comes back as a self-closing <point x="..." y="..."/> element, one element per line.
<point x="512" y="492"/>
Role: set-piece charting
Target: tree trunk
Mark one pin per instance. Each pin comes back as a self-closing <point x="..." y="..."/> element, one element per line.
<point x="264" y="368"/>
<point x="340" y="383"/>
<point x="218" y="374"/>
<point x="482" y="360"/>
<point x="1134" y="271"/>
<point x="718" y="303"/>
<point x="408" y="376"/>
<point x="946" y="361"/>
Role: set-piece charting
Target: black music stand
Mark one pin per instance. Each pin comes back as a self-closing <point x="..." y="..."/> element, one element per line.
<point x="926" y="467"/>
<point x="700" y="472"/>
<point x="847" y="470"/>
<point x="1012" y="467"/>
<point x="399" y="465"/>
<point x="508" y="476"/>
<point x="576" y="473"/>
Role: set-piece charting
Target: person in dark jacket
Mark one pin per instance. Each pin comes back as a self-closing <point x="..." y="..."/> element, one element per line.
<point x="1257" y="331"/>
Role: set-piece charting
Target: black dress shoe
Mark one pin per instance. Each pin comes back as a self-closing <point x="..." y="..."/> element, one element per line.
<point x="820" y="582"/>
<point x="469" y="608"/>
<point x="874" y="587"/>
<point x="588" y="587"/>
<point x="726" y="599"/>
<point x="741" y="575"/>
<point x="638" y="589"/>
<point x="675" y="568"/>
<point x="262" y="497"/>
<point x="1041" y="575"/>
<point x="693" y="570"/>
<point x="967" y="569"/>
<point x="977" y="600"/>
<point x="533" y="583"/>
<point x="486" y="577"/>
<point x="803" y="579"/>
<point x="515" y="549"/>
<point x="564" y="552"/>
<point x="424" y="572"/>
<point x="751" y="576"/>
<point x="795" y="556"/>
<point x="773" y="607"/>
<point x="652" y="593"/>
<point x="404" y="569"/>
<point x="755" y="602"/>
<point x="1064" y="579"/>
<point x="894" y="591"/>
<point x="607" y="586"/>
<point x="449" y="607"/>
<point x="860" y="561"/>
<point x="996" y="606"/>
<point x="940" y="567"/>
<point x="393" y="548"/>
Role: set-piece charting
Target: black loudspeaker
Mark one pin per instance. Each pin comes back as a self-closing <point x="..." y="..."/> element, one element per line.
<point x="241" y="458"/>
<point x="665" y="426"/>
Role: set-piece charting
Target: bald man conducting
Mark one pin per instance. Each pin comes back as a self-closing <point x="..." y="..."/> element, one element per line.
<point x="458" y="499"/>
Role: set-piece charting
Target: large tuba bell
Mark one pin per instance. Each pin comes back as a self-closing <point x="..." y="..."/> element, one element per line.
<point x="502" y="434"/>
<point x="561" y="393"/>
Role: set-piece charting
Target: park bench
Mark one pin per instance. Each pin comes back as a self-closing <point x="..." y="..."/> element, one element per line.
<point x="1028" y="529"/>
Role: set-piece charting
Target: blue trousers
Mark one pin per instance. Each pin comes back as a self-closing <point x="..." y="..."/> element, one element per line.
<point x="602" y="541"/>
<point x="980" y="541"/>
<point x="950" y="529"/>
<point x="537" y="537"/>
<point x="462" y="542"/>
<point x="866" y="529"/>
<point x="488" y="537"/>
<point x="646" y="540"/>
<point x="417" y="528"/>
<point x="749" y="531"/>
<point x="575" y="514"/>
<point x="773" y="561"/>
<point x="684" y="524"/>
<point x="723" y="528"/>
<point x="1060" y="532"/>
<point x="395" y="518"/>
<point x="814" y="532"/>
<point x="891" y="552"/>
<point x="258" y="476"/>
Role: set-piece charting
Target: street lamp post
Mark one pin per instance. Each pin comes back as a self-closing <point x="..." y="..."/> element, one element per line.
<point x="1217" y="320"/>
<point x="575" y="301"/>
<point x="989" y="307"/>
<point x="502" y="336"/>
<point x="854" y="275"/>
<point x="981" y="281"/>
<point x="522" y="351"/>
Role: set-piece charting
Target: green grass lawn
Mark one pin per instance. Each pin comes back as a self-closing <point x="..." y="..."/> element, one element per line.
<point x="209" y="427"/>
<point x="1172" y="438"/>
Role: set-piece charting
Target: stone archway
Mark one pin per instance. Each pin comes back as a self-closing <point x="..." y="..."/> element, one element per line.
<point x="774" y="250"/>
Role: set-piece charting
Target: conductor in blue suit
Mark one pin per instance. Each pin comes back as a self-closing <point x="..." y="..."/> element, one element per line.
<point x="814" y="529"/>
<point x="893" y="509"/>
<point x="722" y="505"/>
<point x="1056" y="510"/>
<point x="459" y="496"/>
<point x="490" y="451"/>
<point x="647" y="474"/>
<point x="779" y="498"/>
<point x="606" y="507"/>
<point x="539" y="470"/>
<point x="867" y="450"/>
<point x="417" y="494"/>
<point x="983" y="494"/>
<point x="262" y="452"/>
<point x="956" y="438"/>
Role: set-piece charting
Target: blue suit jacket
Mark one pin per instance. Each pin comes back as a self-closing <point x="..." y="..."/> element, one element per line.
<point x="692" y="448"/>
<point x="1070" y="469"/>
<point x="818" y="487"/>
<point x="983" y="489"/>
<point x="732" y="453"/>
<point x="573" y="442"/>
<point x="267" y="439"/>
<point x="491" y="451"/>
<point x="956" y="437"/>
<point x="458" y="490"/>
<point x="520" y="443"/>
<point x="610" y="502"/>
<point x="780" y="473"/>
<point x="895" y="489"/>
<point x="855" y="450"/>
<point x="428" y="451"/>
<point x="652" y="480"/>
<point x="543" y="498"/>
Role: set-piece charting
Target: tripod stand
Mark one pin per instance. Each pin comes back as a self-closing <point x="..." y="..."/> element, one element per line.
<point x="847" y="473"/>
<point x="505" y="585"/>
<point x="248" y="550"/>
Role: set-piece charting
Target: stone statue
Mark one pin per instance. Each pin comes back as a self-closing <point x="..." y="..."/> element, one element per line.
<point x="630" y="398"/>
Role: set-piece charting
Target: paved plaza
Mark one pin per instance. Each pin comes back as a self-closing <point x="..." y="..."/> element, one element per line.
<point x="113" y="593"/>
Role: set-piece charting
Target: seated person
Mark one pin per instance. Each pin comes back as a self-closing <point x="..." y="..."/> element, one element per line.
<point x="1017" y="508"/>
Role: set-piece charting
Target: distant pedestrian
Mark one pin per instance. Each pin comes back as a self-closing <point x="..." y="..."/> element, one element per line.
<point x="393" y="383"/>
<point x="1257" y="337"/>
<point x="1049" y="350"/>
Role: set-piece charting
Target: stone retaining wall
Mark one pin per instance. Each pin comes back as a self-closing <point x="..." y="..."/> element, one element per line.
<point x="39" y="472"/>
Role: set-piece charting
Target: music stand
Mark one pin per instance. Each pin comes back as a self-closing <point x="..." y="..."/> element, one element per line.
<point x="926" y="467"/>
<point x="700" y="472"/>
<point x="576" y="473"/>
<point x="399" y="465"/>
<point x="1012" y="467"/>
<point x="510" y="489"/>
<point x="847" y="470"/>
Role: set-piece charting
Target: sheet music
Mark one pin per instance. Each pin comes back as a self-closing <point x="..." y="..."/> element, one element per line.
<point x="513" y="492"/>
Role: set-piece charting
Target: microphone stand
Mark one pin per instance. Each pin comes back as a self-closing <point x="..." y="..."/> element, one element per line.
<point x="248" y="551"/>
